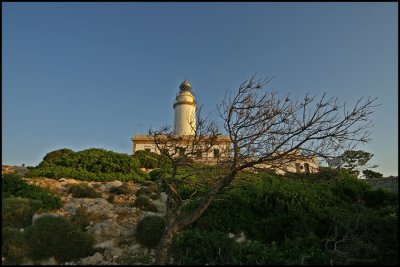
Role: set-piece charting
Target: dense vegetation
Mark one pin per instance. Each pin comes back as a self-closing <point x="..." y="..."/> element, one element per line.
<point x="49" y="236"/>
<point x="326" y="218"/>
<point x="96" y="164"/>
<point x="13" y="186"/>
<point x="331" y="217"/>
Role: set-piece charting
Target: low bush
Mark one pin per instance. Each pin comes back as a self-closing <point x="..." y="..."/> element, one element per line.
<point x="144" y="191"/>
<point x="18" y="212"/>
<point x="57" y="172"/>
<point x="154" y="196"/>
<point x="380" y="198"/>
<point x="92" y="160"/>
<point x="198" y="247"/>
<point x="149" y="183"/>
<point x="81" y="218"/>
<point x="56" y="236"/>
<point x="83" y="191"/>
<point x="14" y="247"/>
<point x="120" y="190"/>
<point x="152" y="185"/>
<point x="150" y="160"/>
<point x="144" y="202"/>
<point x="14" y="186"/>
<point x="150" y="230"/>
<point x="349" y="188"/>
<point x="159" y="174"/>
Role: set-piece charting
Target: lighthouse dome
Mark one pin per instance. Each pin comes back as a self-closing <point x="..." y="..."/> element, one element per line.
<point x="185" y="86"/>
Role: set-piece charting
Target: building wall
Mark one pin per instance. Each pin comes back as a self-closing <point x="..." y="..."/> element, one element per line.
<point x="223" y="148"/>
<point x="298" y="166"/>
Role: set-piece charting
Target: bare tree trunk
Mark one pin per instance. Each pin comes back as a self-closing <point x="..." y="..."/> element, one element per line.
<point x="164" y="245"/>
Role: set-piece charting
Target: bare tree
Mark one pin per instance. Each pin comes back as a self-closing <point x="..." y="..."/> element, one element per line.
<point x="263" y="129"/>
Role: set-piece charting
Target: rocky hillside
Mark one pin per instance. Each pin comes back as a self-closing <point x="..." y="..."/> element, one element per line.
<point x="113" y="220"/>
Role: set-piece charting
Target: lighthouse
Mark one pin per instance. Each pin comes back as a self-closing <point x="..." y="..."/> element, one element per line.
<point x="185" y="111"/>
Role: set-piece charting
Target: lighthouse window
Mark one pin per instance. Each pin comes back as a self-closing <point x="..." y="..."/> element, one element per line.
<point x="216" y="153"/>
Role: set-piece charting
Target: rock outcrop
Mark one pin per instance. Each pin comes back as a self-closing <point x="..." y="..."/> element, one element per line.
<point x="113" y="220"/>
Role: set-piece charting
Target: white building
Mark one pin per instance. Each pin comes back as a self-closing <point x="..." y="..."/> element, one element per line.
<point x="185" y="127"/>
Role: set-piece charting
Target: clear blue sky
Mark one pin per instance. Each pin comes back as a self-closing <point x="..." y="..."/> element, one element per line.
<point x="82" y="75"/>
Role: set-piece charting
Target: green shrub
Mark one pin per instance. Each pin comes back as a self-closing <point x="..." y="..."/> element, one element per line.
<point x="158" y="174"/>
<point x="152" y="185"/>
<point x="49" y="201"/>
<point x="11" y="184"/>
<point x="57" y="154"/>
<point x="349" y="188"/>
<point x="81" y="218"/>
<point x="149" y="183"/>
<point x="154" y="196"/>
<point x="380" y="198"/>
<point x="144" y="202"/>
<point x="150" y="160"/>
<point x="144" y="191"/>
<point x="93" y="160"/>
<point x="18" y="212"/>
<point x="57" y="172"/>
<point x="91" y="164"/>
<point x="14" y="186"/>
<point x="150" y="230"/>
<point x="14" y="247"/>
<point x="83" y="191"/>
<point x="56" y="236"/>
<point x="120" y="190"/>
<point x="198" y="247"/>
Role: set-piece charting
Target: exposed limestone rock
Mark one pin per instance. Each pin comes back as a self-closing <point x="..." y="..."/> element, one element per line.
<point x="105" y="230"/>
<point x="129" y="231"/>
<point x="92" y="260"/>
<point x="97" y="206"/>
<point x="105" y="244"/>
<point x="113" y="252"/>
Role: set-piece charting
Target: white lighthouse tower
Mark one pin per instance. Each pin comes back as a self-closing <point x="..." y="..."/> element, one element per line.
<point x="185" y="111"/>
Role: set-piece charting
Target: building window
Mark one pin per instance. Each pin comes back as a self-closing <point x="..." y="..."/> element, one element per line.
<point x="164" y="151"/>
<point x="199" y="154"/>
<point x="147" y="149"/>
<point x="297" y="167"/>
<point x="216" y="153"/>
<point x="307" y="167"/>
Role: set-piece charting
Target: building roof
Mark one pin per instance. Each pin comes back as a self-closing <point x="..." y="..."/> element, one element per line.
<point x="146" y="137"/>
